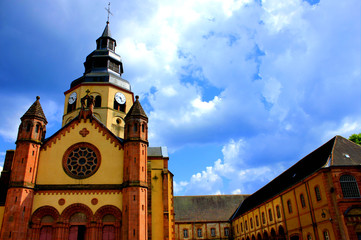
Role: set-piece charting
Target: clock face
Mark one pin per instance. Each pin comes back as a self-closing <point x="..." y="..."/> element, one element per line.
<point x="120" y="98"/>
<point x="72" y="98"/>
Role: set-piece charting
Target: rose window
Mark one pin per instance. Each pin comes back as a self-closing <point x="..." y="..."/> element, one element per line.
<point x="81" y="160"/>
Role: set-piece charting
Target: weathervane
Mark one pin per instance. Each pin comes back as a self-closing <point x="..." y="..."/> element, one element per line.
<point x="109" y="12"/>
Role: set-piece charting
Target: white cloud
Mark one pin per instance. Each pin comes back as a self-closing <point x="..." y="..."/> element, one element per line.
<point x="237" y="191"/>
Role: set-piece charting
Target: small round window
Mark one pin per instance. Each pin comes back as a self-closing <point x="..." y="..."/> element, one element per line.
<point x="81" y="160"/>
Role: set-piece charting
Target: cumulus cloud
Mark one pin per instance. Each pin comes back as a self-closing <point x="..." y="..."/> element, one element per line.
<point x="268" y="81"/>
<point x="230" y="175"/>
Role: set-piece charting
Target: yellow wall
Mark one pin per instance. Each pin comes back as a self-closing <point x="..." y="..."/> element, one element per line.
<point x="158" y="170"/>
<point x="113" y="198"/>
<point x="2" y="209"/>
<point x="50" y="170"/>
<point x="206" y="230"/>
<point x="106" y="114"/>
<point x="300" y="217"/>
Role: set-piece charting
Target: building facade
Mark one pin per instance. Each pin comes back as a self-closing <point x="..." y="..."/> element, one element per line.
<point x="95" y="178"/>
<point x="317" y="198"/>
<point x="204" y="217"/>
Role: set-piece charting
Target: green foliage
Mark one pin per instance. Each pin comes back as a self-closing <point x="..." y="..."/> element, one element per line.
<point x="356" y="138"/>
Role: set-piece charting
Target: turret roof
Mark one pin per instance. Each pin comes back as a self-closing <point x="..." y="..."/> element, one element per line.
<point x="136" y="109"/>
<point x="35" y="111"/>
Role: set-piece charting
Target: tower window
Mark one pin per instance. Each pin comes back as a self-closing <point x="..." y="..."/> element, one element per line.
<point x="135" y="127"/>
<point x="349" y="186"/>
<point x="114" y="66"/>
<point x="37" y="128"/>
<point x="71" y="107"/>
<point x="119" y="107"/>
<point x="111" y="45"/>
<point x="28" y="126"/>
<point x="98" y="101"/>
<point x="142" y="127"/>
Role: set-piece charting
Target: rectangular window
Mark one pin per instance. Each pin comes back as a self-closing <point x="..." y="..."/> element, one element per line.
<point x="263" y="218"/>
<point x="213" y="232"/>
<point x="226" y="231"/>
<point x="185" y="233"/>
<point x="257" y="223"/>
<point x="278" y="211"/>
<point x="199" y="232"/>
<point x="270" y="215"/>
<point x="289" y="205"/>
<point x="318" y="193"/>
<point x="303" y="202"/>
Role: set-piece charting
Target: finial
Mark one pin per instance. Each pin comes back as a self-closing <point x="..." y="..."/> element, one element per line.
<point x="37" y="97"/>
<point x="136" y="98"/>
<point x="109" y="12"/>
<point x="87" y="92"/>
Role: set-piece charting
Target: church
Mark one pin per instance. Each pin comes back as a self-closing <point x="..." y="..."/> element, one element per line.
<point x="96" y="177"/>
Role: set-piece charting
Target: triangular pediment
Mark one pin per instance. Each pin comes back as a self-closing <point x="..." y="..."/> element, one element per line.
<point x="118" y="142"/>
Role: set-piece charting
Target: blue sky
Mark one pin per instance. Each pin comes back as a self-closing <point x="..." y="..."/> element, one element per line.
<point x="237" y="90"/>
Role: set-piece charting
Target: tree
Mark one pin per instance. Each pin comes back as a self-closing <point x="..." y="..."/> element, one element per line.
<point x="356" y="138"/>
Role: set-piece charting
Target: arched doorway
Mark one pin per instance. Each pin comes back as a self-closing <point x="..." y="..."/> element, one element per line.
<point x="273" y="234"/>
<point x="265" y="236"/>
<point x="281" y="233"/>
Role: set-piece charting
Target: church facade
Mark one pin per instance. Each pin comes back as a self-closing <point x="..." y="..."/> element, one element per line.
<point x="95" y="178"/>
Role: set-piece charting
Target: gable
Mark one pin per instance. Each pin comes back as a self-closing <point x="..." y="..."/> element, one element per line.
<point x="79" y="147"/>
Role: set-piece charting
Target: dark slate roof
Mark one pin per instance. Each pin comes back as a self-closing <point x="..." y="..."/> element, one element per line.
<point x="210" y="208"/>
<point x="336" y="152"/>
<point x="157" y="152"/>
<point x="106" y="32"/>
<point x="136" y="109"/>
<point x="35" y="111"/>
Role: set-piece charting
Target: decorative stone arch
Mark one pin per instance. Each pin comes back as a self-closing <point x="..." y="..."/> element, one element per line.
<point x="108" y="210"/>
<point x="352" y="218"/>
<point x="42" y="212"/>
<point x="108" y="227"/>
<point x="281" y="233"/>
<point x="45" y="228"/>
<point x="75" y="208"/>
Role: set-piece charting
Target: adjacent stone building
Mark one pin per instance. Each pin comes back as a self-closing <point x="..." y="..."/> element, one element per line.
<point x="317" y="198"/>
<point x="205" y="217"/>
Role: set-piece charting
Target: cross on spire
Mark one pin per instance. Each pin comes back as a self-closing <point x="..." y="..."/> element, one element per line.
<point x="109" y="12"/>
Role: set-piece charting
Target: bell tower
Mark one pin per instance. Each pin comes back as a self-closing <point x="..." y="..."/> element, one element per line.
<point x="102" y="78"/>
<point x="20" y="195"/>
<point x="135" y="190"/>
